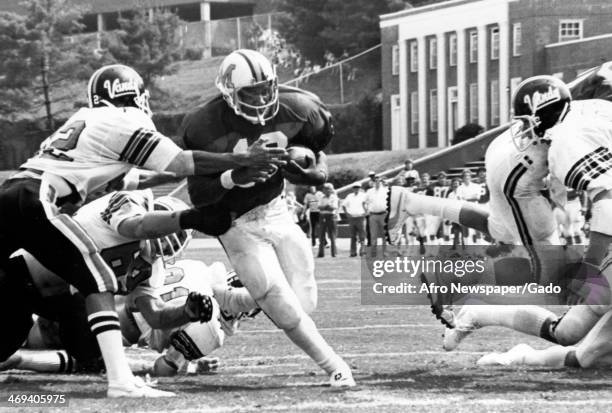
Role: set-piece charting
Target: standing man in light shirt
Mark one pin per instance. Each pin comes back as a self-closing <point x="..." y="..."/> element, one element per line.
<point x="328" y="210"/>
<point x="468" y="190"/>
<point x="355" y="206"/>
<point x="376" y="199"/>
<point x="311" y="203"/>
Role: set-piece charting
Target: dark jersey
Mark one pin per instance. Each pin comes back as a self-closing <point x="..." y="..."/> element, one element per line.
<point x="302" y="119"/>
<point x="484" y="193"/>
<point x="425" y="190"/>
<point x="441" y="191"/>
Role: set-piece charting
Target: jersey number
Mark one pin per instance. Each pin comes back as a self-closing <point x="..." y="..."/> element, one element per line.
<point x="175" y="293"/>
<point x="63" y="140"/>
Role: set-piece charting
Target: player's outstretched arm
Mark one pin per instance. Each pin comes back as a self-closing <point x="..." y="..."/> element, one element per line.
<point x="258" y="156"/>
<point x="160" y="315"/>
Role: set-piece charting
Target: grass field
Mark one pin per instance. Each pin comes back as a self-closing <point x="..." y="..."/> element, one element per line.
<point x="395" y="352"/>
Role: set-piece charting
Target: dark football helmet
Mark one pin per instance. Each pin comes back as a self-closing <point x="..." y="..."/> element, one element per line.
<point x="117" y="85"/>
<point x="539" y="103"/>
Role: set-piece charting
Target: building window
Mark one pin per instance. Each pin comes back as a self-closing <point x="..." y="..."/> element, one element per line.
<point x="473" y="102"/>
<point x="452" y="49"/>
<point x="414" y="112"/>
<point x="494" y="102"/>
<point x="473" y="46"/>
<point x="433" y="53"/>
<point x="570" y="30"/>
<point x="517" y="39"/>
<point x="494" y="43"/>
<point x="433" y="110"/>
<point x="414" y="57"/>
<point x="395" y="60"/>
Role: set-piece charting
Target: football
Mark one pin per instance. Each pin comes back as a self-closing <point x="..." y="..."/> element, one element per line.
<point x="303" y="156"/>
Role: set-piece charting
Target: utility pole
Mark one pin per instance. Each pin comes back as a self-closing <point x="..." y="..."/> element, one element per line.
<point x="45" y="71"/>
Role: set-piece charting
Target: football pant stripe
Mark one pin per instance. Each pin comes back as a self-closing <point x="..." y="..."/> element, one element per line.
<point x="523" y="229"/>
<point x="101" y="272"/>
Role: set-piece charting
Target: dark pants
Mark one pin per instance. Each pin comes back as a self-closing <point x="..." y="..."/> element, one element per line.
<point x="314" y="227"/>
<point x="327" y="226"/>
<point x="24" y="224"/>
<point x="357" y="231"/>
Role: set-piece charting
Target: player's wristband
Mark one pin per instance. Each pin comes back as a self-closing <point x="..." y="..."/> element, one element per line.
<point x="190" y="219"/>
<point x="226" y="179"/>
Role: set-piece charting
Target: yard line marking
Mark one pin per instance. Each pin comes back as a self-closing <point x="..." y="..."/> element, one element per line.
<point x="364" y="327"/>
<point x="367" y="355"/>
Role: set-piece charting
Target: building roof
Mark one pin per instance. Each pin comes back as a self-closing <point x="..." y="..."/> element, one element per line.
<point x="422" y="9"/>
<point x="105" y="6"/>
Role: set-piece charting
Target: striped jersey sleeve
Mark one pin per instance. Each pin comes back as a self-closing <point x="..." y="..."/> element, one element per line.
<point x="149" y="149"/>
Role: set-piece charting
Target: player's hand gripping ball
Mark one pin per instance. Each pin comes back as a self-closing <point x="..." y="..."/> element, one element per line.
<point x="302" y="156"/>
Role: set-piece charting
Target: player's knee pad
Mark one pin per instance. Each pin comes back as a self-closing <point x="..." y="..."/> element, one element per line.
<point x="574" y="325"/>
<point x="283" y="307"/>
<point x="197" y="340"/>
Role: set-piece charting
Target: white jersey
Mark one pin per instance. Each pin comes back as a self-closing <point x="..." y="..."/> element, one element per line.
<point x="580" y="152"/>
<point x="519" y="213"/>
<point x="101" y="219"/>
<point x="97" y="145"/>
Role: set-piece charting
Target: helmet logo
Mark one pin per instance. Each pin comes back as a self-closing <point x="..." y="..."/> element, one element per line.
<point x="226" y="77"/>
<point x="118" y="88"/>
<point x="540" y="99"/>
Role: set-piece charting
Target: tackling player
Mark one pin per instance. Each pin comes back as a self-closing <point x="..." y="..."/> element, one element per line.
<point x="268" y="250"/>
<point x="96" y="145"/>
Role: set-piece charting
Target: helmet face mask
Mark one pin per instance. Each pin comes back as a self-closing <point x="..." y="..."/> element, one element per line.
<point x="168" y="247"/>
<point x="538" y="104"/>
<point x="249" y="84"/>
<point x="118" y="86"/>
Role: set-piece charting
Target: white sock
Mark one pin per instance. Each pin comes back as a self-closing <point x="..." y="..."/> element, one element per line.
<point x="449" y="209"/>
<point x="45" y="361"/>
<point x="527" y="319"/>
<point x="307" y="337"/>
<point x="105" y="326"/>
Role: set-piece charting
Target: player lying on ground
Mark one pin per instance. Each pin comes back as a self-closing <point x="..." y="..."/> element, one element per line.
<point x="143" y="322"/>
<point x="595" y="347"/>
<point x="115" y="221"/>
<point x="96" y="145"/>
<point x="263" y="243"/>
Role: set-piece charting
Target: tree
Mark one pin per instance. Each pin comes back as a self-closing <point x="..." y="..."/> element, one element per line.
<point x="337" y="25"/>
<point x="148" y="42"/>
<point x="36" y="54"/>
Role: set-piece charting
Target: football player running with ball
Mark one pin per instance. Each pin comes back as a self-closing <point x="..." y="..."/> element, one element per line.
<point x="268" y="250"/>
<point x="95" y="146"/>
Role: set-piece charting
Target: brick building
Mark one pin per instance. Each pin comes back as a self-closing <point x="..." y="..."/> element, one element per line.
<point x="458" y="62"/>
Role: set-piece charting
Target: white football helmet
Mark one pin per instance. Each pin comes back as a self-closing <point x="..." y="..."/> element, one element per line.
<point x="249" y="84"/>
<point x="170" y="246"/>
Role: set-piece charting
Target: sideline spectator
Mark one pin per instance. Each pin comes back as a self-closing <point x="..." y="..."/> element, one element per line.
<point x="377" y="207"/>
<point x="311" y="203"/>
<point x="355" y="206"/>
<point x="468" y="190"/>
<point x="410" y="175"/>
<point x="328" y="210"/>
<point x="457" y="230"/>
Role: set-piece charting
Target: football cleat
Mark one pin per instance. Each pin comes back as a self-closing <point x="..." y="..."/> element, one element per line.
<point x="135" y="388"/>
<point x="463" y="327"/>
<point x="342" y="377"/>
<point x="397" y="214"/>
<point x="443" y="312"/>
